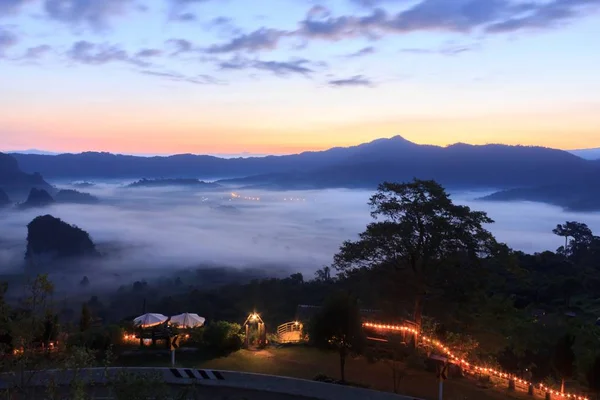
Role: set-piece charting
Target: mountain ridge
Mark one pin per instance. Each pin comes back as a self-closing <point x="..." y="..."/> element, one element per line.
<point x="361" y="166"/>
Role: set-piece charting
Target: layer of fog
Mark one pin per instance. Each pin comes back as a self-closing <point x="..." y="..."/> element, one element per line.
<point x="157" y="231"/>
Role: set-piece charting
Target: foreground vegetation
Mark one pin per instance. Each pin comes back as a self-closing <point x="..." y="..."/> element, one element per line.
<point x="423" y="259"/>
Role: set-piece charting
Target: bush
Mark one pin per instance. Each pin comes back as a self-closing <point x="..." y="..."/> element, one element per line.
<point x="97" y="338"/>
<point x="222" y="337"/>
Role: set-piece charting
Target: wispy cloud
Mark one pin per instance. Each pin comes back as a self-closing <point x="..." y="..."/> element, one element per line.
<point x="261" y="39"/>
<point x="278" y="68"/>
<point x="7" y="40"/>
<point x="148" y="53"/>
<point x="177" y="77"/>
<point x="447" y="49"/>
<point x="357" y="80"/>
<point x="99" y="54"/>
<point x="365" y="51"/>
<point x="180" y="46"/>
<point x="37" y="52"/>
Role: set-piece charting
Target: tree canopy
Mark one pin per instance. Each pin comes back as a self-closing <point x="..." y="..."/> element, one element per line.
<point x="417" y="227"/>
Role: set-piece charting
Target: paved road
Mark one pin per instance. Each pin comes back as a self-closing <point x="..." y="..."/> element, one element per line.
<point x="180" y="383"/>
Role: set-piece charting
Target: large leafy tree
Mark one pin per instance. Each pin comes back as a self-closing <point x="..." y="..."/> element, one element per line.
<point x="417" y="228"/>
<point x="338" y="326"/>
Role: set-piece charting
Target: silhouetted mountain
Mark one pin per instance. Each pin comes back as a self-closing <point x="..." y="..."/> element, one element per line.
<point x="568" y="196"/>
<point x="37" y="198"/>
<point x="74" y="196"/>
<point x="4" y="199"/>
<point x="16" y="183"/>
<point x="362" y="166"/>
<point x="191" y="183"/>
<point x="50" y="238"/>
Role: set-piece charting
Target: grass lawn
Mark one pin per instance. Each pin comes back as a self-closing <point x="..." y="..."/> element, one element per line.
<point x="305" y="362"/>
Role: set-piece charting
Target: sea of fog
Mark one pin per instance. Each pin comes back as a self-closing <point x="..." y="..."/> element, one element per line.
<point x="142" y="230"/>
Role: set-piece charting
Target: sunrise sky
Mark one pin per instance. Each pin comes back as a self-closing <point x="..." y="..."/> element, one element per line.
<point x="281" y="76"/>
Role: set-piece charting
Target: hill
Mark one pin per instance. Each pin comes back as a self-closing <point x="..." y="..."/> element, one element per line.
<point x="183" y="182"/>
<point x="570" y="197"/>
<point x="51" y="238"/>
<point x="362" y="166"/>
<point x="37" y="198"/>
<point x="16" y="183"/>
<point x="74" y="196"/>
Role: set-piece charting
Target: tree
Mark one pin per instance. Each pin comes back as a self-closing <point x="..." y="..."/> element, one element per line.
<point x="564" y="359"/>
<point x="417" y="227"/>
<point x="85" y="322"/>
<point x="593" y="376"/>
<point x="338" y="326"/>
<point x="323" y="274"/>
<point x="580" y="234"/>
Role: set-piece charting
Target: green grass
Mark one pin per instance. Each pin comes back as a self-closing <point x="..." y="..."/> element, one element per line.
<point x="304" y="362"/>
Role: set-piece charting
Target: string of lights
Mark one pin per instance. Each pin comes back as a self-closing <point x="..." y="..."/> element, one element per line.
<point x="464" y="363"/>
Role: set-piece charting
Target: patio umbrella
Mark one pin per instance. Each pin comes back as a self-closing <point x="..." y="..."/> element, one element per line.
<point x="188" y="320"/>
<point x="150" y="319"/>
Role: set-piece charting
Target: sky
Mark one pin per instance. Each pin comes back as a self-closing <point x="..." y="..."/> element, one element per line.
<point x="283" y="76"/>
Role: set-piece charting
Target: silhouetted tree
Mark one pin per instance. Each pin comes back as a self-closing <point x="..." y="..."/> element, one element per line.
<point x="338" y="326"/>
<point x="593" y="376"/>
<point x="580" y="234"/>
<point x="85" y="282"/>
<point x="564" y="359"/>
<point x="419" y="227"/>
<point x="323" y="274"/>
<point x="85" y="322"/>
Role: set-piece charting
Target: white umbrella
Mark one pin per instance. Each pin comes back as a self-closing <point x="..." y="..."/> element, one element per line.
<point x="150" y="319"/>
<point x="188" y="320"/>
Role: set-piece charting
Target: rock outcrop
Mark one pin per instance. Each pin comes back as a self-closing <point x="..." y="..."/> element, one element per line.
<point x="50" y="238"/>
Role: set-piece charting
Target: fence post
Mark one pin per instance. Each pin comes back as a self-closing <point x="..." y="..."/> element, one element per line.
<point x="511" y="384"/>
<point x="530" y="390"/>
<point x="548" y="397"/>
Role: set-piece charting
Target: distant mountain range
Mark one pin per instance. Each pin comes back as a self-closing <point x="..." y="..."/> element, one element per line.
<point x="572" y="197"/>
<point x="16" y="184"/>
<point x="363" y="166"/>
<point x="588" y="154"/>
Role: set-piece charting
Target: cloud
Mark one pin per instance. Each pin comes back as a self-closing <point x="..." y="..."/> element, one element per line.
<point x="462" y="16"/>
<point x="8" y="7"/>
<point x="180" y="45"/>
<point x="148" y="53"/>
<point x="99" y="54"/>
<point x="278" y="68"/>
<point x="548" y="15"/>
<point x="95" y="13"/>
<point x="261" y="39"/>
<point x="448" y="49"/>
<point x="357" y="80"/>
<point x="365" y="51"/>
<point x="34" y="53"/>
<point x="177" y="77"/>
<point x="185" y="17"/>
<point x="7" y="40"/>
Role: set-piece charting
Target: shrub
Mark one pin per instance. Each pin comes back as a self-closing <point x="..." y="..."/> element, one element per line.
<point x="222" y="337"/>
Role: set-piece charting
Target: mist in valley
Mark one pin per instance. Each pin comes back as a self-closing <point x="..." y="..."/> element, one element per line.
<point x="151" y="232"/>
